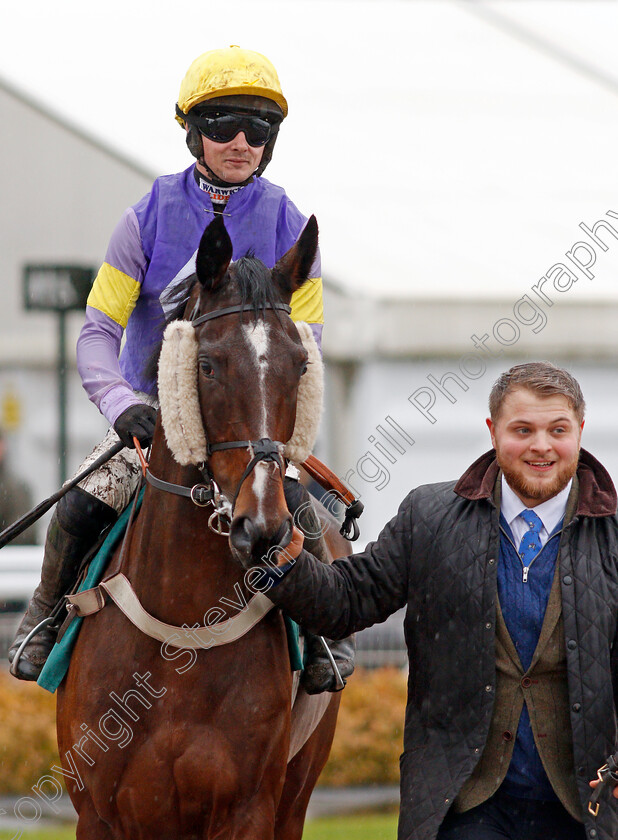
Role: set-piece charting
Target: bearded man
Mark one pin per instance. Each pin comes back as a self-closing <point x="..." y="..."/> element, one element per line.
<point x="510" y="580"/>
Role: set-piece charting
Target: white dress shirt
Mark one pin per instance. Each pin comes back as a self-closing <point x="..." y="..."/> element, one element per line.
<point x="550" y="512"/>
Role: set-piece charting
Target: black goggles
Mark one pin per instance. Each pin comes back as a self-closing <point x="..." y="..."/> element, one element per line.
<point x="224" y="127"/>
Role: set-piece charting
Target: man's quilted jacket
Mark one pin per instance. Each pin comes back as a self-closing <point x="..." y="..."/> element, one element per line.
<point x="438" y="558"/>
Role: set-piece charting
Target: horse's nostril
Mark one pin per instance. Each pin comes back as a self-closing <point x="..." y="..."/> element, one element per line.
<point x="248" y="540"/>
<point x="243" y="535"/>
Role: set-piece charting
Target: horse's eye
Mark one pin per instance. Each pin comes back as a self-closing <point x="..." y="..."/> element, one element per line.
<point x="303" y="369"/>
<point x="206" y="368"/>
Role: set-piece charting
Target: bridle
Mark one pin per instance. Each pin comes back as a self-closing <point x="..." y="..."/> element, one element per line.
<point x="197" y="320"/>
<point x="264" y="449"/>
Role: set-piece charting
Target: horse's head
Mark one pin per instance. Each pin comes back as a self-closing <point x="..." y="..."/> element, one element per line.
<point x="250" y="360"/>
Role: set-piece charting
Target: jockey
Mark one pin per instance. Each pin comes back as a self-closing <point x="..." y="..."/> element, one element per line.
<point x="231" y="107"/>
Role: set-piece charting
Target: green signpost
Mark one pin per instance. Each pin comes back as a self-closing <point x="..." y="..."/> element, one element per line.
<point x="49" y="287"/>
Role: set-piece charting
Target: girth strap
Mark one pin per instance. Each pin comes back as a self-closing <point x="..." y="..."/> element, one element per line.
<point x="123" y="595"/>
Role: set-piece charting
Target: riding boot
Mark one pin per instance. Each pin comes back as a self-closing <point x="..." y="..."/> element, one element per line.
<point x="318" y="674"/>
<point x="75" y="527"/>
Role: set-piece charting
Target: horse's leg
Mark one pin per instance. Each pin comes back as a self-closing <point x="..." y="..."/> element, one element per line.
<point x="248" y="817"/>
<point x="258" y="825"/>
<point x="302" y="775"/>
<point x="90" y="826"/>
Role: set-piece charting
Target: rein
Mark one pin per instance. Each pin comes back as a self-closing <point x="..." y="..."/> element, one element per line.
<point x="264" y="449"/>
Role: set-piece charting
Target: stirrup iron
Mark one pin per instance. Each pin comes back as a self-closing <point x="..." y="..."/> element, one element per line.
<point x="34" y="632"/>
<point x="339" y="681"/>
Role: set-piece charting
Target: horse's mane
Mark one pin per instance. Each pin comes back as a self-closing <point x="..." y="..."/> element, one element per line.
<point x="253" y="281"/>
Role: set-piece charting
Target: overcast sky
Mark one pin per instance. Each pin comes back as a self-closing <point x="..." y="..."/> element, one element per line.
<point x="447" y="148"/>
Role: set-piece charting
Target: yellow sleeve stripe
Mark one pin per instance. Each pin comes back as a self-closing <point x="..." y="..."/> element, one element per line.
<point x="307" y="304"/>
<point x="114" y="293"/>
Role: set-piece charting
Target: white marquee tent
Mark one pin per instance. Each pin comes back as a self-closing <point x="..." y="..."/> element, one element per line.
<point x="446" y="146"/>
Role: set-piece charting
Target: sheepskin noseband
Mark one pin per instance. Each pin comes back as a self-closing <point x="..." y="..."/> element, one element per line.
<point x="180" y="408"/>
<point x="178" y="397"/>
<point x="309" y="400"/>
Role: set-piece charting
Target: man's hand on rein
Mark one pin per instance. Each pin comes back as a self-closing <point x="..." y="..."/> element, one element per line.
<point x="138" y="420"/>
<point x="596" y="782"/>
<point x="292" y="549"/>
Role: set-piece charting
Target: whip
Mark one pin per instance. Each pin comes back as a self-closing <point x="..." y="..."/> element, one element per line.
<point x="37" y="512"/>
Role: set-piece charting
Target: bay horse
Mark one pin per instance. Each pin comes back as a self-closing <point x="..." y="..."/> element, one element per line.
<point x="173" y="743"/>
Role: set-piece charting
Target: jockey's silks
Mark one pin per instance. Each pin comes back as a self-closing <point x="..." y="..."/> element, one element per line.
<point x="152" y="249"/>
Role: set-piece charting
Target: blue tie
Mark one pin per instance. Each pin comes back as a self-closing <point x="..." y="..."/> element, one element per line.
<point x="530" y="544"/>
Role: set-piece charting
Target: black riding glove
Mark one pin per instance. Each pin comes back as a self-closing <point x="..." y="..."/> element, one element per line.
<point x="139" y="421"/>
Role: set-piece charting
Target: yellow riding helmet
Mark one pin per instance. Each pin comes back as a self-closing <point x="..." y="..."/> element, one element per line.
<point x="229" y="72"/>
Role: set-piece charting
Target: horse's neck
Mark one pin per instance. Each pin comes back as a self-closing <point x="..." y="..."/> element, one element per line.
<point x="177" y="565"/>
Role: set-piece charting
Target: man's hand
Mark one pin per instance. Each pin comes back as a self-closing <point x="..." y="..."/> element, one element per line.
<point x="292" y="549"/>
<point x="136" y="421"/>
<point x="596" y="782"/>
<point x="608" y="773"/>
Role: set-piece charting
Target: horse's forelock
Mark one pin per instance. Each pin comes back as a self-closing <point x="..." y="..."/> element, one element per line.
<point x="253" y="280"/>
<point x="248" y="276"/>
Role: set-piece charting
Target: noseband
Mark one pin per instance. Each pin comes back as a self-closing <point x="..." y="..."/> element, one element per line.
<point x="264" y="449"/>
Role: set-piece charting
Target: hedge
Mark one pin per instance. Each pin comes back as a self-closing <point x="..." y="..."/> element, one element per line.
<point x="369" y="735"/>
<point x="28" y="747"/>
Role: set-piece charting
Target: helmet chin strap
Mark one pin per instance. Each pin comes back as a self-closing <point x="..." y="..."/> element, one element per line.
<point x="194" y="144"/>
<point x="219" y="182"/>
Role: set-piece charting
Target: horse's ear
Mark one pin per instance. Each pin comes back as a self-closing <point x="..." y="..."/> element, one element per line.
<point x="214" y="255"/>
<point x="294" y="268"/>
